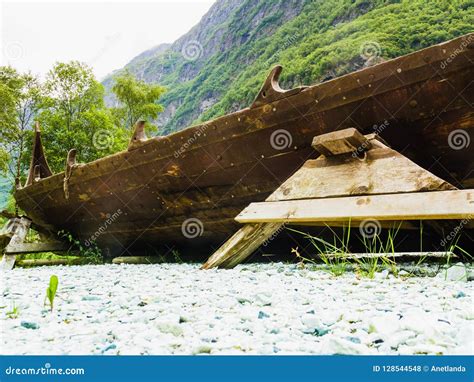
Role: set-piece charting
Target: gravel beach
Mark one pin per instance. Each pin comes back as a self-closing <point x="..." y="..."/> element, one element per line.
<point x="252" y="309"/>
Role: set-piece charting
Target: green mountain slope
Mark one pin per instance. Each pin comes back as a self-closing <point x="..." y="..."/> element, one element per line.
<point x="237" y="43"/>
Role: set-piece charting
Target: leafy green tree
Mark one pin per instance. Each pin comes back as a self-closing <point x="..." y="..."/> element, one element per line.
<point x="137" y="99"/>
<point x="73" y="115"/>
<point x="21" y="95"/>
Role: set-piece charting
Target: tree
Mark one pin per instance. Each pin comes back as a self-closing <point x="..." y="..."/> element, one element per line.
<point x="73" y="115"/>
<point x="20" y="94"/>
<point x="137" y="98"/>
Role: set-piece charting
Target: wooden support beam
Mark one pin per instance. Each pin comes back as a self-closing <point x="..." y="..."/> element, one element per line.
<point x="341" y="142"/>
<point x="455" y="204"/>
<point x="22" y="248"/>
<point x="20" y="230"/>
<point x="241" y="245"/>
<point x="350" y="256"/>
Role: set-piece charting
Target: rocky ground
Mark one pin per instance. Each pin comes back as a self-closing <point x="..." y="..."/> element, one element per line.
<point x="253" y="309"/>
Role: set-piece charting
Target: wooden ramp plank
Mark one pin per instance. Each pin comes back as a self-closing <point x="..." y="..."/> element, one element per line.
<point x="456" y="204"/>
<point x="241" y="245"/>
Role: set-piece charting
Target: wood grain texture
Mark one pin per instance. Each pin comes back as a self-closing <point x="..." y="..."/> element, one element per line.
<point x="456" y="204"/>
<point x="383" y="171"/>
<point x="241" y="245"/>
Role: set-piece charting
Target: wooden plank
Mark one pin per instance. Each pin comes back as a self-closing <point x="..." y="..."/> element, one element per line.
<point x="21" y="227"/>
<point x="340" y="142"/>
<point x="383" y="171"/>
<point x="349" y="256"/>
<point x="241" y="245"/>
<point x="49" y="262"/>
<point x="22" y="248"/>
<point x="456" y="204"/>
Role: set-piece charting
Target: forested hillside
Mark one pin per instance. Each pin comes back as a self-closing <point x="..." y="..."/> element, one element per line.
<point x="220" y="64"/>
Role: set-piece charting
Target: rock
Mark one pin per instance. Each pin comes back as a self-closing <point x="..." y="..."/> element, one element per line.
<point x="90" y="298"/>
<point x="310" y="321"/>
<point x="29" y="325"/>
<point x="263" y="299"/>
<point x="202" y="349"/>
<point x="262" y="315"/>
<point x="354" y="339"/>
<point x="170" y="328"/>
<point x="335" y="345"/>
<point x="457" y="272"/>
<point x="108" y="347"/>
<point x="382" y="275"/>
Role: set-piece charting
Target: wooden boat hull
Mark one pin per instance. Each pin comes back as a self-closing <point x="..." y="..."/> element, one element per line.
<point x="186" y="188"/>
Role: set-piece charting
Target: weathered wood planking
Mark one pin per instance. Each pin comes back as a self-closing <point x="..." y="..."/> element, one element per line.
<point x="382" y="171"/>
<point x="20" y="227"/>
<point x="435" y="205"/>
<point x="241" y="245"/>
<point x="229" y="161"/>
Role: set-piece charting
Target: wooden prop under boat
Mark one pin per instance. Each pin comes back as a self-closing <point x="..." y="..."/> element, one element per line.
<point x="186" y="188"/>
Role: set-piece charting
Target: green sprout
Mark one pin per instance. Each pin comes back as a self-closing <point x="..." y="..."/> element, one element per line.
<point x="51" y="290"/>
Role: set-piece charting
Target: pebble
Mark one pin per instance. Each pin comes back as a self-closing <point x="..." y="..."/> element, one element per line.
<point x="457" y="272"/>
<point x="252" y="309"/>
<point x="29" y="325"/>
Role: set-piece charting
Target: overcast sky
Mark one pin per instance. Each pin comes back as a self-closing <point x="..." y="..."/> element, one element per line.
<point x="106" y="34"/>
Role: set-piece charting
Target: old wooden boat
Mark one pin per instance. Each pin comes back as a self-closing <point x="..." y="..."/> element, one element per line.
<point x="186" y="188"/>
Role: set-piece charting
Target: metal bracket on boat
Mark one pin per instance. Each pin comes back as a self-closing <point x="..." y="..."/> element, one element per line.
<point x="271" y="90"/>
<point x="139" y="135"/>
<point x="70" y="164"/>
<point x="39" y="167"/>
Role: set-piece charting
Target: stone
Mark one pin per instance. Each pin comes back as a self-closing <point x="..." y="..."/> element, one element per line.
<point x="29" y="325"/>
<point x="456" y="272"/>
<point x="335" y="345"/>
<point x="90" y="298"/>
<point x="262" y="315"/>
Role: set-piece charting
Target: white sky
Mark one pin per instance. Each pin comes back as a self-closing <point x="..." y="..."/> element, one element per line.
<point x="106" y="35"/>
